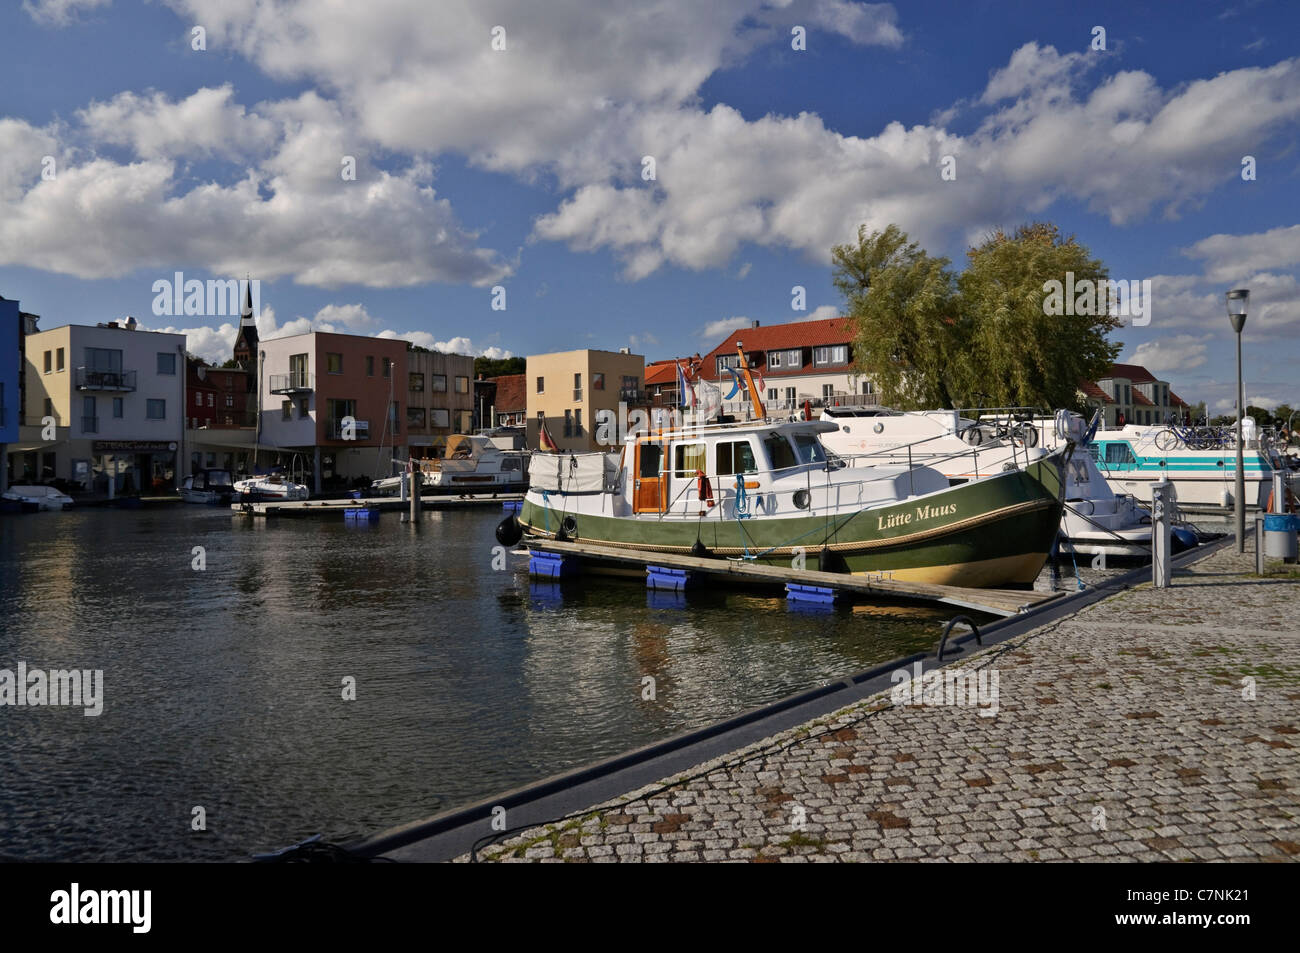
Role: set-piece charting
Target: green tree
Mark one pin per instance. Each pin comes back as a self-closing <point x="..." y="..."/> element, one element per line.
<point x="1023" y="350"/>
<point x="497" y="367"/>
<point x="908" y="337"/>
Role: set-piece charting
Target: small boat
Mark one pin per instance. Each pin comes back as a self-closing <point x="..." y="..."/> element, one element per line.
<point x="470" y="464"/>
<point x="1095" y="521"/>
<point x="1132" y="458"/>
<point x="208" y="486"/>
<point x="273" y="486"/>
<point x="767" y="490"/>
<point x="33" y="498"/>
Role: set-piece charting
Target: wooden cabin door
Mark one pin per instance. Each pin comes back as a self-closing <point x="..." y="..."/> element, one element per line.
<point x="649" y="490"/>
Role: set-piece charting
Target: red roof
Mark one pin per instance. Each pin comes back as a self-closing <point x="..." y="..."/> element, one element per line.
<point x="1092" y="390"/>
<point x="512" y="394"/>
<point x="1134" y="372"/>
<point x="1141" y="399"/>
<point x="778" y="337"/>
<point x="660" y="372"/>
<point x="1176" y="401"/>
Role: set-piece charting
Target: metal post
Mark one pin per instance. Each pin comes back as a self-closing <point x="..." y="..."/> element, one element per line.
<point x="1279" y="492"/>
<point x="1161" y="534"/>
<point x="1239" y="495"/>
<point x="1259" y="543"/>
<point x="415" y="492"/>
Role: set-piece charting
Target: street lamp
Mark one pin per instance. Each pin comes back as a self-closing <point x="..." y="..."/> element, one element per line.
<point x="1237" y="301"/>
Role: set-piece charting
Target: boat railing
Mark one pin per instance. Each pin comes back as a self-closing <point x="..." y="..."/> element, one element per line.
<point x="915" y="458"/>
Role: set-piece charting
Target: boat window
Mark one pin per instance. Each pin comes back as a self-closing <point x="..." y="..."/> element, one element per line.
<point x="1119" y="453"/>
<point x="649" y="460"/>
<point x="689" y="457"/>
<point x="809" y="447"/>
<point x="219" y="479"/>
<point x="779" y="452"/>
<point x="735" y="457"/>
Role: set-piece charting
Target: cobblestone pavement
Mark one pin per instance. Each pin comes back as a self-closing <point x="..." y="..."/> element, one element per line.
<point x="1152" y="726"/>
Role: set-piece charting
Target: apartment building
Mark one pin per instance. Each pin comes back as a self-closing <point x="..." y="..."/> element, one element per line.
<point x="439" y="399"/>
<point x="798" y="362"/>
<point x="1130" y="394"/>
<point x="104" y="403"/>
<point x="334" y="405"/>
<point x="568" y="389"/>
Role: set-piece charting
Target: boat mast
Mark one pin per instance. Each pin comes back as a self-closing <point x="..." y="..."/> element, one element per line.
<point x="749" y="382"/>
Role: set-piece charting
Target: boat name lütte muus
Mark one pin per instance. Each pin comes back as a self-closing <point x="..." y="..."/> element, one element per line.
<point x="768" y="490"/>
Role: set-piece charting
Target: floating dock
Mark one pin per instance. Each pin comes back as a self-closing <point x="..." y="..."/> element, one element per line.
<point x="339" y="508"/>
<point x="998" y="602"/>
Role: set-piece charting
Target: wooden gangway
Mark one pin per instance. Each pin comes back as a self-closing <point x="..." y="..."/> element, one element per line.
<point x="384" y="503"/>
<point x="1000" y="602"/>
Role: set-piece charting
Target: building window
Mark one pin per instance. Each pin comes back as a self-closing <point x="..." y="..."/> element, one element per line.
<point x="198" y="399"/>
<point x="388" y="367"/>
<point x="773" y="393"/>
<point x="774" y="359"/>
<point x="211" y="399"/>
<point x="541" y="385"/>
<point x="439" y="418"/>
<point x="230" y="400"/>
<point x="49" y="407"/>
<point x="838" y="354"/>
<point x="302" y="407"/>
<point x="416" y="383"/>
<point x="155" y="410"/>
<point x="333" y="363"/>
<point x="828" y="391"/>
<point x="335" y="411"/>
<point x="166" y="363"/>
<point x="89" y="420"/>
<point x="597" y="381"/>
<point x="462" y="385"/>
<point x="568" y="423"/>
<point x="49" y="361"/>
<point x="58" y="360"/>
<point x="370" y="365"/>
<point x="868" y="387"/>
<point x="415" y="418"/>
<point x="790" y="393"/>
<point x="286" y="410"/>
<point x="577" y="422"/>
<point x="438" y="383"/>
<point x="119" y="407"/>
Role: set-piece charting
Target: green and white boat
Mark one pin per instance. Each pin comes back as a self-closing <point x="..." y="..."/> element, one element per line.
<point x="770" y="491"/>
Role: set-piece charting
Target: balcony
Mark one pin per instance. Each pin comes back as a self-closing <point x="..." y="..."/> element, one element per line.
<point x="90" y="425"/>
<point x="632" y="395"/>
<point x="296" y="383"/>
<point x="334" y="430"/>
<point x="89" y="378"/>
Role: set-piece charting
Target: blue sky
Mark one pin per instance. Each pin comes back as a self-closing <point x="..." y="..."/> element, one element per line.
<point x="479" y="167"/>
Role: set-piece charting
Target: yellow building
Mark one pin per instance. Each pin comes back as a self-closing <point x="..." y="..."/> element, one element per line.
<point x="569" y="388"/>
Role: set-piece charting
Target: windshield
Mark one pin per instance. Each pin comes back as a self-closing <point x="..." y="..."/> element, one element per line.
<point x="779" y="451"/>
<point x="809" y="447"/>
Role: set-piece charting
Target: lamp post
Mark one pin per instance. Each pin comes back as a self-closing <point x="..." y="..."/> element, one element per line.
<point x="1237" y="301"/>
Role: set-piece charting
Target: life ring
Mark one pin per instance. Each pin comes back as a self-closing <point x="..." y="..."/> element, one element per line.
<point x="703" y="489"/>
<point x="1291" y="502"/>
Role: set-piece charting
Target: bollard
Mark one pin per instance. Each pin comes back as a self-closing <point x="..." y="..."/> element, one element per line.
<point x="416" y="480"/>
<point x="1279" y="492"/>
<point x="1161" y="534"/>
<point x="1259" y="544"/>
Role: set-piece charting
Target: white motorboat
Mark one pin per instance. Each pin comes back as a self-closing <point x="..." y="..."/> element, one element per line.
<point x="273" y="486"/>
<point x="470" y="464"/>
<point x="207" y="486"/>
<point x="32" y="498"/>
<point x="1096" y="519"/>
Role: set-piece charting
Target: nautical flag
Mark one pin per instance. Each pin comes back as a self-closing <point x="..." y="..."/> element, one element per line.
<point x="687" y="392"/>
<point x="545" y="440"/>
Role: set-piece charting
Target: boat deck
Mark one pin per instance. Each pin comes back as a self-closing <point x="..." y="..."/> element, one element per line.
<point x="999" y="602"/>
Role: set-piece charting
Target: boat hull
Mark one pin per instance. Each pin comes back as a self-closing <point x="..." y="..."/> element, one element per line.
<point x="995" y="532"/>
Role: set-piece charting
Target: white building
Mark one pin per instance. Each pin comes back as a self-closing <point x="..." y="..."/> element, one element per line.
<point x="104" y="400"/>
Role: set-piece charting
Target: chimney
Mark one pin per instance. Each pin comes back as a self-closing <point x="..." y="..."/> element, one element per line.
<point x="754" y="325"/>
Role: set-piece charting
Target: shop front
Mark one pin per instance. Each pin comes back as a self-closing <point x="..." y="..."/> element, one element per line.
<point x="133" y="467"/>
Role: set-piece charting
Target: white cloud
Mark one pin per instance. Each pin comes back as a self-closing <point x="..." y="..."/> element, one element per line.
<point x="722" y="327"/>
<point x="205" y="123"/>
<point x="1179" y="352"/>
<point x="823" y="313"/>
<point x="60" y="12"/>
<point x="1231" y="258"/>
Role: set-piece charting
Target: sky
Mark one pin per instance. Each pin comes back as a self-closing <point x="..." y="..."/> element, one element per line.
<point x="643" y="173"/>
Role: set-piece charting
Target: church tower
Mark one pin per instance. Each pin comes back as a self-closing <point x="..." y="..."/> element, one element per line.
<point x="246" y="341"/>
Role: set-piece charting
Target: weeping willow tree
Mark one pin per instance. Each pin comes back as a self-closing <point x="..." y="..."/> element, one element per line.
<point x="1029" y="353"/>
<point x="903" y="301"/>
<point x="930" y="338"/>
